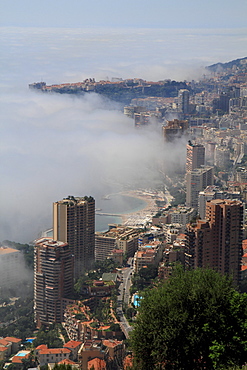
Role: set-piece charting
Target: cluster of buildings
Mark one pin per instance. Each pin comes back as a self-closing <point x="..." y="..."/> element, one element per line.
<point x="208" y="231"/>
<point x="61" y="259"/>
<point x="87" y="355"/>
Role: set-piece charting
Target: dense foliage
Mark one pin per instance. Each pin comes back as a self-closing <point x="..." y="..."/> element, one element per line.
<point x="196" y="320"/>
<point x="143" y="278"/>
<point x="178" y="194"/>
<point x="17" y="319"/>
<point x="96" y="272"/>
<point x="52" y="337"/>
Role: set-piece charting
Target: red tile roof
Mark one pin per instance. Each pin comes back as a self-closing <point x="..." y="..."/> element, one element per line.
<point x="12" y="339"/>
<point x="66" y="361"/>
<point x="2" y="349"/>
<point x="53" y="351"/>
<point x="18" y="359"/>
<point x="4" y="342"/>
<point x="97" y="364"/>
<point x="42" y="346"/>
<point x="72" y="344"/>
<point x="111" y="343"/>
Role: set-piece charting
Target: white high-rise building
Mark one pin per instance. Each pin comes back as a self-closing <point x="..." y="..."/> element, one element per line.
<point x="197" y="180"/>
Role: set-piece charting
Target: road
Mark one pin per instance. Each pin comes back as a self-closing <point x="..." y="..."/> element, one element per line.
<point x="124" y="297"/>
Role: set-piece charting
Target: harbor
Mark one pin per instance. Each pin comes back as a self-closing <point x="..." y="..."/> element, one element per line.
<point x="141" y="215"/>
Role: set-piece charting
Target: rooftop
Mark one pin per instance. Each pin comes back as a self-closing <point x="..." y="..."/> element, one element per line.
<point x="112" y="343"/>
<point x="53" y="351"/>
<point x="72" y="344"/>
<point x="13" y="339"/>
<point x="49" y="242"/>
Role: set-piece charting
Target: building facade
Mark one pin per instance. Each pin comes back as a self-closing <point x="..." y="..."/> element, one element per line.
<point x="196" y="181"/>
<point x="74" y="223"/>
<point x="174" y="129"/>
<point x="53" y="280"/>
<point x="119" y="237"/>
<point x="183" y="100"/>
<point x="195" y="156"/>
<point x="217" y="241"/>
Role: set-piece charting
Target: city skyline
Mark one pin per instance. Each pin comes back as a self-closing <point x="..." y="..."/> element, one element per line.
<point x="44" y="135"/>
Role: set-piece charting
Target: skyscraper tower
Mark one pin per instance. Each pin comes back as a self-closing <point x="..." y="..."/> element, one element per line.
<point x="217" y="241"/>
<point x="196" y="181"/>
<point x="183" y="100"/>
<point x="74" y="223"/>
<point x="195" y="156"/>
<point x="53" y="280"/>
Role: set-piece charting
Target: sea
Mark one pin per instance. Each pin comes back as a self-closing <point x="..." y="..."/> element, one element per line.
<point x="115" y="204"/>
<point x="53" y="146"/>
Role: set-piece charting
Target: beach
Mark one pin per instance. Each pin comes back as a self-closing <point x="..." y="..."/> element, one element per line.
<point x="143" y="216"/>
<point x="128" y="212"/>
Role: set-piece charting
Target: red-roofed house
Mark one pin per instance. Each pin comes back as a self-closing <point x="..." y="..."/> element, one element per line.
<point x="73" y="364"/>
<point x="6" y="344"/>
<point x="15" y="343"/>
<point x="42" y="346"/>
<point x="96" y="364"/>
<point x="17" y="359"/>
<point x="52" y="355"/>
<point x="115" y="349"/>
<point x="74" y="347"/>
<point x="90" y="349"/>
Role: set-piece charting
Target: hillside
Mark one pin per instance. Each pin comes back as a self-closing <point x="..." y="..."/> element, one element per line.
<point x="240" y="63"/>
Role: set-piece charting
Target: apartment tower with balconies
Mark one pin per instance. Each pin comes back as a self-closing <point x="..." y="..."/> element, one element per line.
<point x="74" y="223"/>
<point x="53" y="280"/>
<point x="216" y="242"/>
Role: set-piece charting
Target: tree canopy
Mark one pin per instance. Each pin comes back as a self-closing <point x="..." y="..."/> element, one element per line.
<point x="196" y="320"/>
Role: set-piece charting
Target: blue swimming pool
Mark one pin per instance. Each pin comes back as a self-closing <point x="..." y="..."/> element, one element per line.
<point x="30" y="340"/>
<point x="136" y="300"/>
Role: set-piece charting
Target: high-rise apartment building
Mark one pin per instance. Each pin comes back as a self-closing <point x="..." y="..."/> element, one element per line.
<point x="175" y="129"/>
<point x="74" y="223"/>
<point x="217" y="241"/>
<point x="196" y="181"/>
<point x="195" y="156"/>
<point x="183" y="100"/>
<point x="53" y="280"/>
<point x="214" y="192"/>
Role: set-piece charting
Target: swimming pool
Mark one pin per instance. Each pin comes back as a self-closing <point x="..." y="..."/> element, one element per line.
<point x="136" y="300"/>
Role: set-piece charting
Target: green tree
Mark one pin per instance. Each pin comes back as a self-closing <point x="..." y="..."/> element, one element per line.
<point x="50" y="336"/>
<point x="62" y="367"/>
<point x="196" y="320"/>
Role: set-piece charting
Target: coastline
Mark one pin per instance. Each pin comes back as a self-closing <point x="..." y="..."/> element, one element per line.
<point x="144" y="215"/>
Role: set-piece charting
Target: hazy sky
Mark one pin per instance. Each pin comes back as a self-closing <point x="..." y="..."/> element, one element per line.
<point x="124" y="13"/>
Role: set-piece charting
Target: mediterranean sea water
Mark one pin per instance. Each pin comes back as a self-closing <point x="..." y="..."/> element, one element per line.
<point x="116" y="204"/>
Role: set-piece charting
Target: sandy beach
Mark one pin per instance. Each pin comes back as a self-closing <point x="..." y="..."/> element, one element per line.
<point x="143" y="216"/>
